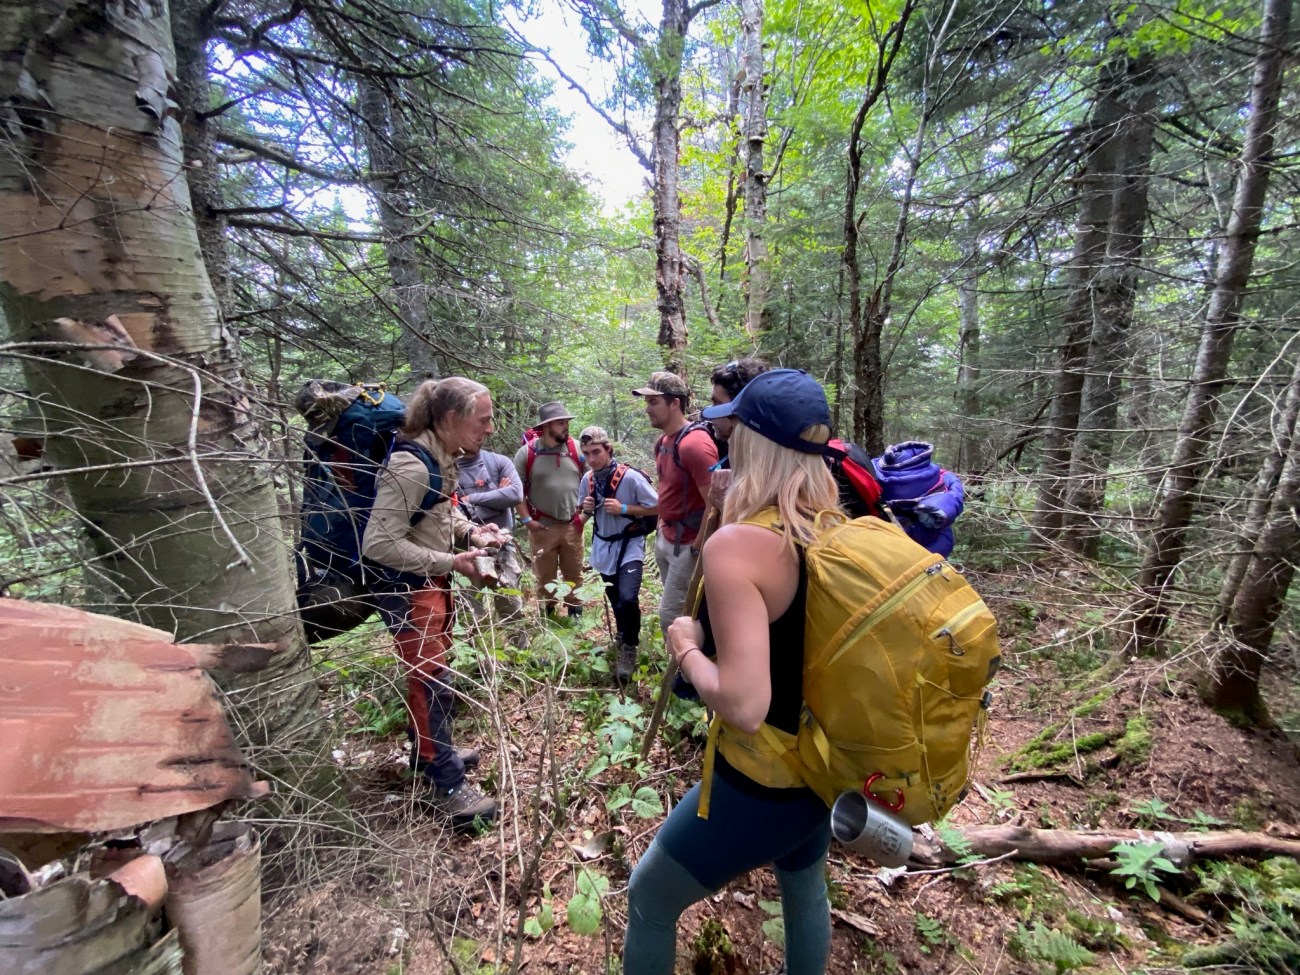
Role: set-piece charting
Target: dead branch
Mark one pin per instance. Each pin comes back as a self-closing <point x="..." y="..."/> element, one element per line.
<point x="1065" y="847"/>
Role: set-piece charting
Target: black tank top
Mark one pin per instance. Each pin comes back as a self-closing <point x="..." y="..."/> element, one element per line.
<point x="785" y="657"/>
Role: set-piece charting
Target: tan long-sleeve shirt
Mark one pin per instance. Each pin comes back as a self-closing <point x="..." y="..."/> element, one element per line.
<point x="427" y="546"/>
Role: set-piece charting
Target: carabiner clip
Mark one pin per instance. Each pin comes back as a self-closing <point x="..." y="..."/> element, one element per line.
<point x="894" y="806"/>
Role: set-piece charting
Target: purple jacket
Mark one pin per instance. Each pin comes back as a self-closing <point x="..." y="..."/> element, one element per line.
<point x="910" y="481"/>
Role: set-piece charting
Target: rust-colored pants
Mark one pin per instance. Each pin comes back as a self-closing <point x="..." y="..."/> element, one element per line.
<point x="420" y="621"/>
<point x="557" y="547"/>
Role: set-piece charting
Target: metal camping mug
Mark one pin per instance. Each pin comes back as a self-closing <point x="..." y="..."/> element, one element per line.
<point x="867" y="828"/>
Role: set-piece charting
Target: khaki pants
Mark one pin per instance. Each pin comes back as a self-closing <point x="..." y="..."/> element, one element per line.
<point x="555" y="546"/>
<point x="676" y="563"/>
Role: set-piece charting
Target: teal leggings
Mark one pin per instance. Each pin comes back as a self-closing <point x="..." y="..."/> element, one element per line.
<point x="692" y="858"/>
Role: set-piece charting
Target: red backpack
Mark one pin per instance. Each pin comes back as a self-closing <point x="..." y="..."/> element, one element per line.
<point x="860" y="492"/>
<point x="531" y="438"/>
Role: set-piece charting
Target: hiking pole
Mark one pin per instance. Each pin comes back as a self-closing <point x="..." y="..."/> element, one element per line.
<point x="694" y="596"/>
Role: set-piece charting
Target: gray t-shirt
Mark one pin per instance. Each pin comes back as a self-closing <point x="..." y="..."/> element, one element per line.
<point x="632" y="489"/>
<point x="552" y="488"/>
<point x="479" y="485"/>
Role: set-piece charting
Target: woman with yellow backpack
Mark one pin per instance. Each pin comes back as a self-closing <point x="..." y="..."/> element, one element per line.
<point x="745" y="657"/>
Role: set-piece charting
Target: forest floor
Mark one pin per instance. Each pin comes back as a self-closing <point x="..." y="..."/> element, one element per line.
<point x="1076" y="740"/>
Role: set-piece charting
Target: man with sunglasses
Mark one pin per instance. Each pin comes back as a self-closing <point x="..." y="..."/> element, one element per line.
<point x="728" y="381"/>
<point x="617" y="498"/>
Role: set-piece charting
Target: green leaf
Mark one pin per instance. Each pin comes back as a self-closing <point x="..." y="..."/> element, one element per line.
<point x="619" y="797"/>
<point x="584" y="911"/>
<point x="646" y="803"/>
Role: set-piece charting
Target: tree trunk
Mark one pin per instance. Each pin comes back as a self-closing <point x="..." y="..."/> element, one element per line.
<point x="1096" y="198"/>
<point x="191" y="30"/>
<point x="153" y="435"/>
<point x="865" y="324"/>
<point x="1266" y="483"/>
<point x="1234" y="683"/>
<point x="970" y="455"/>
<point x="1168" y="537"/>
<point x="670" y="267"/>
<point x="1115" y="293"/>
<point x="754" y="94"/>
<point x="396" y="216"/>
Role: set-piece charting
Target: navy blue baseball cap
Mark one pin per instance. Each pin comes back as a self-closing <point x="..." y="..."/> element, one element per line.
<point x="787" y="406"/>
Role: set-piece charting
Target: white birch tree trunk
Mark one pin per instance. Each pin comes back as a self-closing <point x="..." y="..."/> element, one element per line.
<point x="153" y="434"/>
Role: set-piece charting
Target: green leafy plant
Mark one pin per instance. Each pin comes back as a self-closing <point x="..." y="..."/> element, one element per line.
<point x="953" y="839"/>
<point x="774" y="925"/>
<point x="1047" y="946"/>
<point x="544" y="919"/>
<point x="1151" y="811"/>
<point x="1263" y="905"/>
<point x="645" y="802"/>
<point x="1141" y="864"/>
<point x="1002" y="800"/>
<point x="584" y="909"/>
<point x="930" y="931"/>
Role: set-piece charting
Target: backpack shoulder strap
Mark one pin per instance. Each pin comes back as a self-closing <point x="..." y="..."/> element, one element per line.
<point x="616" y="478"/>
<point x="682" y="434"/>
<point x="574" y="455"/>
<point x="434" y="494"/>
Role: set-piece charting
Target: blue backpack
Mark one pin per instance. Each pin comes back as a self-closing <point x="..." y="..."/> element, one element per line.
<point x="353" y="433"/>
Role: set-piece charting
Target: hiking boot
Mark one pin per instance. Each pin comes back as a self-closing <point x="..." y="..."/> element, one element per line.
<point x="469" y="757"/>
<point x="463" y="804"/>
<point x="625" y="666"/>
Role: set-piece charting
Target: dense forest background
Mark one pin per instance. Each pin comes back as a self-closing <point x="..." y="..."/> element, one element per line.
<point x="1058" y="240"/>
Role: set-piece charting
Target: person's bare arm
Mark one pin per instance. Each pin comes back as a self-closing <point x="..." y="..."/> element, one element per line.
<point x="750" y="580"/>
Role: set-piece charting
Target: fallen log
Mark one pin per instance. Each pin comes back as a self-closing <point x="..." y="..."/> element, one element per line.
<point x="1074" y="846"/>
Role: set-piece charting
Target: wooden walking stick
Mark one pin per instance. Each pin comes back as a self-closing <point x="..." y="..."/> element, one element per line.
<point x="694" y="596"/>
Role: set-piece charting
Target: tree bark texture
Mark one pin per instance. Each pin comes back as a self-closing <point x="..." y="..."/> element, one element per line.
<point x="1234" y="683"/>
<point x="754" y="99"/>
<point x="1067" y="847"/>
<point x="1270" y="472"/>
<point x="1167" y="540"/>
<point x="1115" y="294"/>
<point x="970" y="455"/>
<point x="1100" y="161"/>
<point x="670" y="265"/>
<point x="865" y="322"/>
<point x="380" y="124"/>
<point x="191" y="31"/>
<point x="151" y="430"/>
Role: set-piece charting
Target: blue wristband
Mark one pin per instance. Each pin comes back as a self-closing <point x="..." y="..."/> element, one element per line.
<point x="624" y="509"/>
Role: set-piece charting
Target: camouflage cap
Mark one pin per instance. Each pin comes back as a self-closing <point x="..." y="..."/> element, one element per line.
<point x="593" y="435"/>
<point x="664" y="384"/>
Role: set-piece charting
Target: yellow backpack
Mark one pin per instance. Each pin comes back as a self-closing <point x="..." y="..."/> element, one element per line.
<point x="898" y="649"/>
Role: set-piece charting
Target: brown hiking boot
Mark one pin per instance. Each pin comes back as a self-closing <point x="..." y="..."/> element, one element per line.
<point x="463" y="804"/>
<point x="625" y="666"/>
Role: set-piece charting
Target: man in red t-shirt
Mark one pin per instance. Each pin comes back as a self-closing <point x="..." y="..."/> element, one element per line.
<point x="684" y="459"/>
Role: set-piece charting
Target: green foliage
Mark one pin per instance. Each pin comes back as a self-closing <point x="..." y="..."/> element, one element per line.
<point x="932" y="933"/>
<point x="584" y="909"/>
<point x="712" y="951"/>
<point x="1044" y="945"/>
<point x="1135" y="744"/>
<point x="774" y="925"/>
<point x="1142" y="864"/>
<point x="1263" y="906"/>
<point x="544" y="919"/>
<point x="952" y="837"/>
<point x="645" y="802"/>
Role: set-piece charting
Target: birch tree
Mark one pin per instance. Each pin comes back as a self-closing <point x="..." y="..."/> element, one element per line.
<point x="123" y="348"/>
